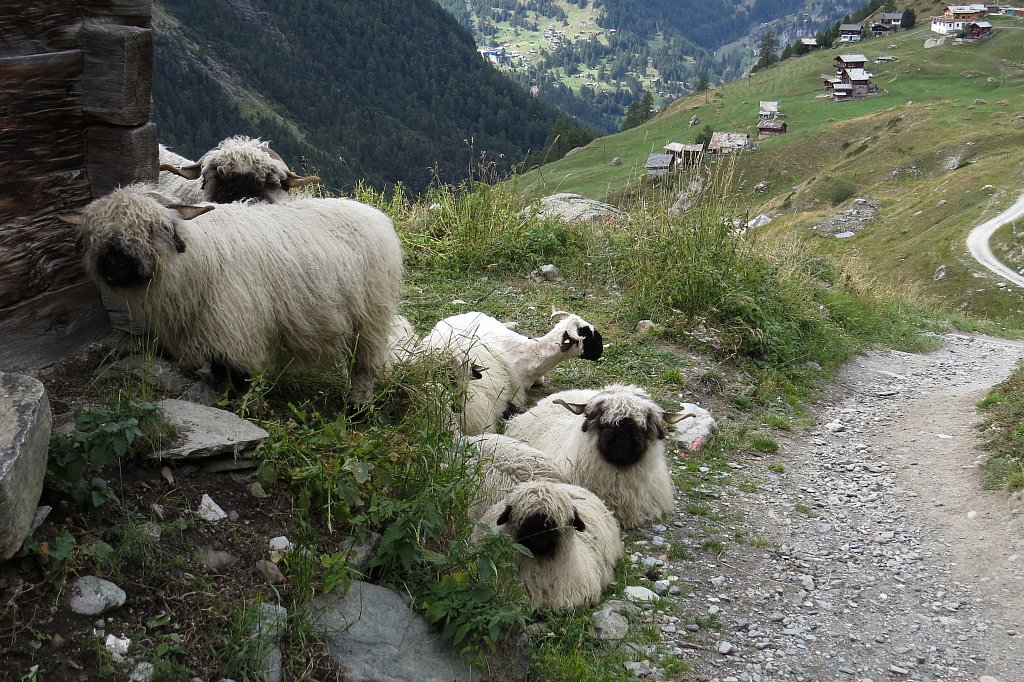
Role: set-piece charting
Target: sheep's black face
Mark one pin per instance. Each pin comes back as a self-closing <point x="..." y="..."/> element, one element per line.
<point x="622" y="444"/>
<point x="225" y="188"/>
<point x="592" y="345"/>
<point x="539" y="534"/>
<point x="119" y="269"/>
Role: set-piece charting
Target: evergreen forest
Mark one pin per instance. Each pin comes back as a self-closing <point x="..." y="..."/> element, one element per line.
<point x="382" y="92"/>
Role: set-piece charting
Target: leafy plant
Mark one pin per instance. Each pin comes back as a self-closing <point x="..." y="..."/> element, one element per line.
<point x="53" y="557"/>
<point x="100" y="435"/>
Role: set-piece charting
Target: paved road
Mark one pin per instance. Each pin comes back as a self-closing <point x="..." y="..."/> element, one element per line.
<point x="977" y="242"/>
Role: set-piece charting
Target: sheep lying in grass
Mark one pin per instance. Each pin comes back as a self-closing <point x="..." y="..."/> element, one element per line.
<point x="610" y="441"/>
<point x="240" y="168"/>
<point x="572" y="536"/>
<point x="173" y="184"/>
<point x="514" y="362"/>
<point x="507" y="462"/>
<point x="250" y="287"/>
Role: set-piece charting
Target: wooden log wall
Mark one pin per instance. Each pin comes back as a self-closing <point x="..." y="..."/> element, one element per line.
<point x="75" y="107"/>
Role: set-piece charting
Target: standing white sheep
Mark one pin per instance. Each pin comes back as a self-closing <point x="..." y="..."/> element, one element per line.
<point x="252" y="287"/>
<point x="514" y="362"/>
<point x="239" y="168"/>
<point x="611" y="441"/>
<point x="505" y="463"/>
<point x="574" y="539"/>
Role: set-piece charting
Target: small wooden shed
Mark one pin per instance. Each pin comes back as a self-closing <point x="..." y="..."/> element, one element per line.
<point x="75" y="105"/>
<point x="684" y="154"/>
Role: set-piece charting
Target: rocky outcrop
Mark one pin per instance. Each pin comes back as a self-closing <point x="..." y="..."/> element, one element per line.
<point x="207" y="431"/>
<point x="575" y="208"/>
<point x="25" y="422"/>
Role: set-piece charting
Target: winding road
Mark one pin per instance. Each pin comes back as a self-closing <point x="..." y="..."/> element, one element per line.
<point x="977" y="242"/>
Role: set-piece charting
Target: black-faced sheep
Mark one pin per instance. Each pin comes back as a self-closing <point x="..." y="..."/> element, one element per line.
<point x="572" y="536"/>
<point x="505" y="463"/>
<point x="253" y="287"/>
<point x="514" y="362"/>
<point x="240" y="168"/>
<point x="610" y="441"/>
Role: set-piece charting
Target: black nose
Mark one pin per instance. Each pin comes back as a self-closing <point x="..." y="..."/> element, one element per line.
<point x="592" y="344"/>
<point x="118" y="269"/>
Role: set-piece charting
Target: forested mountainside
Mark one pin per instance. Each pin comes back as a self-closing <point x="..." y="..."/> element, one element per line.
<point x="593" y="57"/>
<point x="385" y="92"/>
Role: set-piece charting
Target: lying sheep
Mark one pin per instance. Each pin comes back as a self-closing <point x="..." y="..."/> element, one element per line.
<point x="505" y="463"/>
<point x="610" y="441"/>
<point x="173" y="184"/>
<point x="250" y="287"/>
<point x="572" y="536"/>
<point x="514" y="362"/>
<point x="240" y="168"/>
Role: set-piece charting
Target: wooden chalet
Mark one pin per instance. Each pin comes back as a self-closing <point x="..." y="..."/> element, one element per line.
<point x="75" y="106"/>
<point x="773" y="128"/>
<point x="849" y="33"/>
<point x="809" y="43"/>
<point x="958" y="18"/>
<point x="658" y="164"/>
<point x="726" y="143"/>
<point x="768" y="110"/>
<point x="860" y="81"/>
<point x="979" y="29"/>
<point x="684" y="154"/>
<point x="879" y="30"/>
<point x="849" y="61"/>
<point x="894" y="20"/>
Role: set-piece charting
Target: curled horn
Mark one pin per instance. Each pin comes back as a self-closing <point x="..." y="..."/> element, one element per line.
<point x="558" y="313"/>
<point x="300" y="181"/>
<point x="572" y="333"/>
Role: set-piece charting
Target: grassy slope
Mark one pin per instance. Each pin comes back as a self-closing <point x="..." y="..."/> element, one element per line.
<point x="938" y="108"/>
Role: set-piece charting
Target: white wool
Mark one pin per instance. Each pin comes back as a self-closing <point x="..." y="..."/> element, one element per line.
<point x="402" y="340"/>
<point x="188" y="191"/>
<point x="259" y="287"/>
<point x="507" y="462"/>
<point x="514" y="362"/>
<point x="583" y="564"/>
<point x="639" y="493"/>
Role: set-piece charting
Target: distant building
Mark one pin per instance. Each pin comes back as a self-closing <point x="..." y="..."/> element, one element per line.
<point x="878" y="29"/>
<point x="767" y="129"/>
<point x="849" y="61"/>
<point x="979" y="29"/>
<point x="768" y="110"/>
<point x="849" y="33"/>
<point x="684" y="154"/>
<point x="860" y="80"/>
<point x="658" y="164"/>
<point x="894" y="20"/>
<point x="957" y="18"/>
<point x="851" y="79"/>
<point x="809" y="43"/>
<point x="726" y="143"/>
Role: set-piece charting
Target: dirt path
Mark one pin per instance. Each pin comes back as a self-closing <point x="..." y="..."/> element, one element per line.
<point x="885" y="559"/>
<point x="978" y="242"/>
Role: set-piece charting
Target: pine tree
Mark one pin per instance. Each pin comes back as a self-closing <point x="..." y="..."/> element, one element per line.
<point x="909" y="18"/>
<point x="766" y="55"/>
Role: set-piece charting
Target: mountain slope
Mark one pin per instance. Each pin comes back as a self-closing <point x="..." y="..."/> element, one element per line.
<point x="385" y="93"/>
<point x="939" y="149"/>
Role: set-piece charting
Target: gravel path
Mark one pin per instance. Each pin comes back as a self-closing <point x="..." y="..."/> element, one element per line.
<point x="888" y="561"/>
<point x="978" y="242"/>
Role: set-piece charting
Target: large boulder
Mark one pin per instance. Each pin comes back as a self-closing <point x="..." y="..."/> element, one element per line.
<point x="573" y="207"/>
<point x="373" y="636"/>
<point x="25" y="421"/>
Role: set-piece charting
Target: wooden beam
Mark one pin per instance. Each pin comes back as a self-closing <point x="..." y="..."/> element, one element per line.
<point x="117" y="80"/>
<point x="118" y="156"/>
<point x="36" y="26"/>
<point x="50" y="327"/>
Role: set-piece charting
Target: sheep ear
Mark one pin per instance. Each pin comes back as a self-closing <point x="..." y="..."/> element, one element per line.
<point x="187" y="212"/>
<point x="575" y="408"/>
<point x="72" y="218"/>
<point x="188" y="172"/>
<point x="655" y="425"/>
<point x="577" y="522"/>
<point x="503" y="519"/>
<point x="301" y="181"/>
<point x="476" y="371"/>
<point x="178" y="242"/>
<point x="675" y="417"/>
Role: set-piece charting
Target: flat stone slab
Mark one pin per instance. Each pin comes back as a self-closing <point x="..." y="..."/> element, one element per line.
<point x="374" y="637"/>
<point x="25" y="423"/>
<point x="573" y="207"/>
<point x="207" y="431"/>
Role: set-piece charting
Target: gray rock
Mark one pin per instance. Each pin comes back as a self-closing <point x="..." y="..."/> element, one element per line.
<point x="215" y="560"/>
<point x="361" y="551"/>
<point x="761" y="186"/>
<point x="155" y="371"/>
<point x="372" y="636"/>
<point x="206" y="431"/>
<point x="143" y="672"/>
<point x="645" y="326"/>
<point x="575" y="208"/>
<point x="610" y="625"/>
<point x="549" y="272"/>
<point x="25" y="422"/>
<point x="725" y="648"/>
<point x="271" y="666"/>
<point x="940" y="273"/>
<point x="92" y="596"/>
<point x="230" y="463"/>
<point x="616" y="161"/>
<point x="638" y="593"/>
